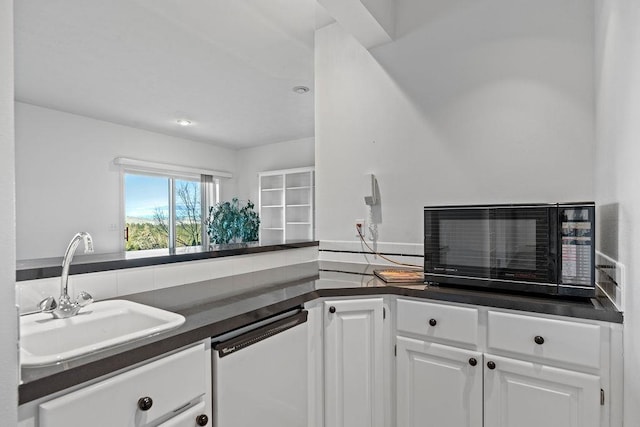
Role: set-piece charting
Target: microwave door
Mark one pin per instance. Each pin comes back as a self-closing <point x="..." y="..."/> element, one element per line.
<point x="457" y="244"/>
<point x="522" y="248"/>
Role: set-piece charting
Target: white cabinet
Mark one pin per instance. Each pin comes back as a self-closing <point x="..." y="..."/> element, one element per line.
<point x="525" y="394"/>
<point x="175" y="386"/>
<point x="438" y="385"/>
<point x="528" y="370"/>
<point x="438" y="322"/>
<point x="547" y="340"/>
<point x="286" y="205"/>
<point x="353" y="343"/>
<point x="523" y="387"/>
<point x="194" y="416"/>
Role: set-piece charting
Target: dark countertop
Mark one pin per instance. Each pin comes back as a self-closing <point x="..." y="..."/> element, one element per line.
<point x="218" y="306"/>
<point x="52" y="267"/>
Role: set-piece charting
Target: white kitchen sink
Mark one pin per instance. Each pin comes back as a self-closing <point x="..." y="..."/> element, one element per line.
<point x="45" y="340"/>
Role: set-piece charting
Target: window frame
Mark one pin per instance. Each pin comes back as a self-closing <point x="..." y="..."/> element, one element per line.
<point x="209" y="196"/>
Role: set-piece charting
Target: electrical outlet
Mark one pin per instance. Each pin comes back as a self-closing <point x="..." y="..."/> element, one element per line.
<point x="359" y="223"/>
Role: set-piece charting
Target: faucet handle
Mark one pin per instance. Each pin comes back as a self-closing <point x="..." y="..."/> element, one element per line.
<point x="47" y="305"/>
<point x="84" y="299"/>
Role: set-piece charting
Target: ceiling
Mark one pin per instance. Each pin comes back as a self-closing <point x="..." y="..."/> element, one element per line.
<point x="228" y="66"/>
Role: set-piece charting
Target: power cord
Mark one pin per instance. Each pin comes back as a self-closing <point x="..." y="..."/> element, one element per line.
<point x="382" y="256"/>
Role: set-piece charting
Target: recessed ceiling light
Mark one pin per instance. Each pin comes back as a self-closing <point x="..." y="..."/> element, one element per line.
<point x="183" y="122"/>
<point x="301" y="89"/>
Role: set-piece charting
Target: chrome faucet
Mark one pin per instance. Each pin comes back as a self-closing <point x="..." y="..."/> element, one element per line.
<point x="65" y="307"/>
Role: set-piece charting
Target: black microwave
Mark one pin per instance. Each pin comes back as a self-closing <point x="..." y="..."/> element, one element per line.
<point x="540" y="248"/>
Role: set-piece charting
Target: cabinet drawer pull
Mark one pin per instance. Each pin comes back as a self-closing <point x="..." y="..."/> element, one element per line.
<point x="332" y="309"/>
<point x="433" y="322"/>
<point x="202" y="420"/>
<point x="538" y="340"/>
<point x="473" y="361"/>
<point x="145" y="403"/>
<point x="491" y="365"/>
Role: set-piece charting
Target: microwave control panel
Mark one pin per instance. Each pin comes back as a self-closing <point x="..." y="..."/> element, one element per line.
<point x="577" y="240"/>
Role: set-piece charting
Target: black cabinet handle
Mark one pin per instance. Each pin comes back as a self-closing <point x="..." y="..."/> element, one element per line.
<point x="332" y="309"/>
<point x="202" y="420"/>
<point x="491" y="365"/>
<point x="539" y="340"/>
<point x="433" y="322"/>
<point x="145" y="403"/>
<point x="473" y="362"/>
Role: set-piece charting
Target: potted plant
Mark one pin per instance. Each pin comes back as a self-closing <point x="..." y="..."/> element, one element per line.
<point x="229" y="222"/>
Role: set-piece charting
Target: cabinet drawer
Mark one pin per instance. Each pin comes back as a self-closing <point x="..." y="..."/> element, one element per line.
<point x="548" y="339"/>
<point x="188" y="418"/>
<point x="438" y="321"/>
<point x="171" y="383"/>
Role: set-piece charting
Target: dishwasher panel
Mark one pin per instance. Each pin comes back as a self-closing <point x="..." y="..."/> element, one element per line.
<point x="260" y="376"/>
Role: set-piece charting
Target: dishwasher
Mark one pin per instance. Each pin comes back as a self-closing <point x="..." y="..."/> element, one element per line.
<point x="260" y="373"/>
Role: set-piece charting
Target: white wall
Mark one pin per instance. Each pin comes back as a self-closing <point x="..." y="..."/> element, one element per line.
<point x="617" y="172"/>
<point x="66" y="180"/>
<point x="474" y="102"/>
<point x="8" y="320"/>
<point x="282" y="155"/>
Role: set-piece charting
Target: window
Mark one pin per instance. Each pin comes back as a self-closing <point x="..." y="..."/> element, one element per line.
<point x="165" y="211"/>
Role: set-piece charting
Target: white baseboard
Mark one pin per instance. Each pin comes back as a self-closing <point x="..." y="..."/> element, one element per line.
<point x="391" y="248"/>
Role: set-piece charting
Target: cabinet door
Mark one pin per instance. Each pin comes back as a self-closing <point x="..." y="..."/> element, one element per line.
<point x="438" y="385"/>
<point x="525" y="394"/>
<point x="353" y="363"/>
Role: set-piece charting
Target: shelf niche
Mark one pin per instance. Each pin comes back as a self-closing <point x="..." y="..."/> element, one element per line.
<point x="286" y="205"/>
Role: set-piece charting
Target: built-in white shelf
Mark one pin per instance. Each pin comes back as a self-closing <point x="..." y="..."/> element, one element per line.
<point x="286" y="204"/>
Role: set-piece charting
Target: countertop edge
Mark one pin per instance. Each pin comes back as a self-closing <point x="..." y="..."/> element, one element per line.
<point x="44" y="272"/>
<point x="156" y="346"/>
<point x="607" y="316"/>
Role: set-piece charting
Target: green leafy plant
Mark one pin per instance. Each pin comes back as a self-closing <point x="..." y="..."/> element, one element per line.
<point x="230" y="222"/>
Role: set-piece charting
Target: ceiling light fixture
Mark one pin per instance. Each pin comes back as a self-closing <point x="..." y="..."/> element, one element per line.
<point x="183" y="122"/>
<point x="301" y="89"/>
